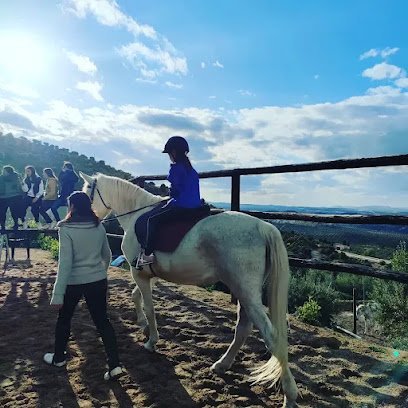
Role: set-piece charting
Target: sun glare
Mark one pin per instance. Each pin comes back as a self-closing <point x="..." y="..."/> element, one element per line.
<point x="22" y="57"/>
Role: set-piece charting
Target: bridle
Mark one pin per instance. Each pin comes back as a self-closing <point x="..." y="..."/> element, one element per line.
<point x="94" y="188"/>
<point x="92" y="195"/>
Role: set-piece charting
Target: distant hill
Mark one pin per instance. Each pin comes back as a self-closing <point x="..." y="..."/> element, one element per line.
<point x="370" y="210"/>
<point x="386" y="235"/>
<point x="20" y="152"/>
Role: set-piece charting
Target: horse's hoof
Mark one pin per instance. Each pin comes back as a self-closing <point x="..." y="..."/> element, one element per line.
<point x="218" y="368"/>
<point x="150" y="347"/>
<point x="287" y="403"/>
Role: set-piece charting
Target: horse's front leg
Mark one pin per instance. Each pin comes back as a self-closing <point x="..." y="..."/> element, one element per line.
<point x="138" y="302"/>
<point x="145" y="286"/>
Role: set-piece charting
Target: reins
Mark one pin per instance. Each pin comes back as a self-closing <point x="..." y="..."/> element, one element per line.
<point x="131" y="212"/>
<point x="92" y="196"/>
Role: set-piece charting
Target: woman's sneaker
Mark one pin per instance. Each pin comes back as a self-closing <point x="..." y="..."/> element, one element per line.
<point x="114" y="374"/>
<point x="49" y="359"/>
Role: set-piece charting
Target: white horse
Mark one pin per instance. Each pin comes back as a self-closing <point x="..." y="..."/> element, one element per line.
<point x="241" y="251"/>
<point x="367" y="313"/>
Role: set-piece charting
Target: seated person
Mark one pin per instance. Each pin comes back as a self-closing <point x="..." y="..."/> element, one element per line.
<point x="184" y="193"/>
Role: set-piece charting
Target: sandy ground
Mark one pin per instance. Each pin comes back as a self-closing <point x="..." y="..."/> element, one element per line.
<point x="195" y="327"/>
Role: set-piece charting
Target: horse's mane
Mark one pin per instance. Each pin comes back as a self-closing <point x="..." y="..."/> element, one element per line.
<point x="131" y="195"/>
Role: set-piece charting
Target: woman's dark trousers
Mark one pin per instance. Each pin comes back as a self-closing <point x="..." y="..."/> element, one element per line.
<point x="35" y="208"/>
<point x="45" y="206"/>
<point x="95" y="297"/>
<point x="15" y="204"/>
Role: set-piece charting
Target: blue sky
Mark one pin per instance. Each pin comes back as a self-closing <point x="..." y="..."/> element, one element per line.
<point x="248" y="83"/>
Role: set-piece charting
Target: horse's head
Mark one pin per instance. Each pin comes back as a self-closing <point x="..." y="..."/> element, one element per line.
<point x="93" y="187"/>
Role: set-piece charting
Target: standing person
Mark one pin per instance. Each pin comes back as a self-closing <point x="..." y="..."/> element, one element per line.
<point x="50" y="196"/>
<point x="67" y="180"/>
<point x="184" y="193"/>
<point x="3" y="212"/>
<point x="33" y="187"/>
<point x="10" y="196"/>
<point x="84" y="258"/>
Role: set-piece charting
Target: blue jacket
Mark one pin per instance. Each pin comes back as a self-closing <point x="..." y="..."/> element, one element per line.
<point x="67" y="180"/>
<point x="185" y="186"/>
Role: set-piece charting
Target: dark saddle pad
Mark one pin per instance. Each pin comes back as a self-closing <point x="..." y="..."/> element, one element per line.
<point x="171" y="229"/>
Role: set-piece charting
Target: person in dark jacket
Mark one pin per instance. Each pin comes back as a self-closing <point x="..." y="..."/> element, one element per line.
<point x="184" y="194"/>
<point x="11" y="194"/>
<point x="67" y="180"/>
<point x="33" y="188"/>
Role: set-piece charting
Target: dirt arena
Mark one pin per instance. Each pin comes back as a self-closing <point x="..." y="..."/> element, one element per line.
<point x="196" y="327"/>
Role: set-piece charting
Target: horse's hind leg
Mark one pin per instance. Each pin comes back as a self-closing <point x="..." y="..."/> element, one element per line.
<point x="242" y="330"/>
<point x="256" y="312"/>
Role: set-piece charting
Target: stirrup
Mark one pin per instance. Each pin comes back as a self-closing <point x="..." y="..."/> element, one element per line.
<point x="140" y="262"/>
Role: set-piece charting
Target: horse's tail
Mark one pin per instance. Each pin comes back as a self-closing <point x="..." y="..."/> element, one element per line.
<point x="277" y="274"/>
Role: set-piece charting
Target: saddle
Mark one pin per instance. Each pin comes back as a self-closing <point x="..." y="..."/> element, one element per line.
<point x="172" y="229"/>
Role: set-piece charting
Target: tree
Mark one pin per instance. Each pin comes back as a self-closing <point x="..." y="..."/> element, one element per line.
<point x="392" y="298"/>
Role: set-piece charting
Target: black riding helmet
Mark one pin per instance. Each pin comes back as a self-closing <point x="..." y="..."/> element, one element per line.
<point x="177" y="143"/>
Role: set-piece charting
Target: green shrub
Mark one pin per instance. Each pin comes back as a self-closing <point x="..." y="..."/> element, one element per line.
<point x="399" y="259"/>
<point x="400" y="343"/>
<point x="318" y="286"/>
<point x="345" y="282"/>
<point x="49" y="244"/>
<point x="309" y="312"/>
<point x="392" y="298"/>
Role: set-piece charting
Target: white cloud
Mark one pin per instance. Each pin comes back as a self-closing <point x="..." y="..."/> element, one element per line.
<point x="245" y="92"/>
<point x="107" y="12"/>
<point x="375" y="52"/>
<point x="402" y="82"/>
<point x="124" y="161"/>
<point x="151" y="53"/>
<point x="160" y="60"/>
<point x="93" y="88"/>
<point x="383" y="71"/>
<point x="371" y="124"/>
<point x="19" y="90"/>
<point x="212" y="97"/>
<point x="369" y="54"/>
<point x="202" y="65"/>
<point x="147" y="81"/>
<point x="217" y="64"/>
<point x="173" y="85"/>
<point x="82" y="62"/>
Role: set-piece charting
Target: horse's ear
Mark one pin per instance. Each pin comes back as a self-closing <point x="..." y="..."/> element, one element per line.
<point x="86" y="178"/>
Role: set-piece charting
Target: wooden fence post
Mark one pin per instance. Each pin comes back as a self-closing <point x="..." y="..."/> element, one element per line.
<point x="235" y="192"/>
<point x="235" y="205"/>
<point x="354" y="311"/>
